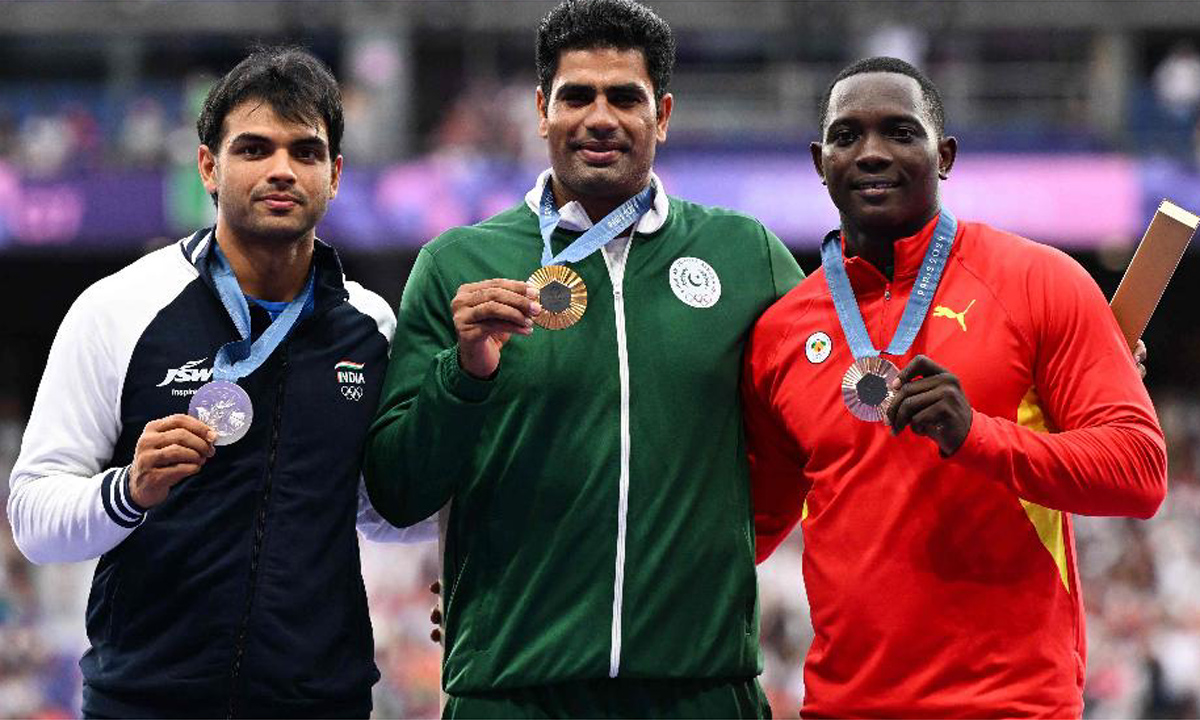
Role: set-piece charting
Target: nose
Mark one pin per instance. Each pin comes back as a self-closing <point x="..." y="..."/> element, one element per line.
<point x="873" y="153"/>
<point x="280" y="171"/>
<point x="601" y="118"/>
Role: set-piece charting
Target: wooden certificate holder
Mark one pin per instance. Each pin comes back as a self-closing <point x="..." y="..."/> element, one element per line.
<point x="1151" y="268"/>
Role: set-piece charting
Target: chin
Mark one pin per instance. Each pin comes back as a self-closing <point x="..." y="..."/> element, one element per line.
<point x="609" y="181"/>
<point x="287" y="230"/>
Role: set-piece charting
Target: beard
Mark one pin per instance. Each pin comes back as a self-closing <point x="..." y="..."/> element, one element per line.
<point x="618" y="181"/>
<point x="253" y="222"/>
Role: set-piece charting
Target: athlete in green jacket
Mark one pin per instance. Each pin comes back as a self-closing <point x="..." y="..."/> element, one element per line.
<point x="599" y="555"/>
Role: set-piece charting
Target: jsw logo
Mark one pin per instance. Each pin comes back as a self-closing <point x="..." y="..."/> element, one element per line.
<point x="187" y="373"/>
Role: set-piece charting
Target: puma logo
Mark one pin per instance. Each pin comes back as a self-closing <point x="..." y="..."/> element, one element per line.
<point x="961" y="317"/>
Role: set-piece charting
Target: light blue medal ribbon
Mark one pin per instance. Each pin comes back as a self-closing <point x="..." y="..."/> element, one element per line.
<point x="598" y="235"/>
<point x="919" y="300"/>
<point x="866" y="385"/>
<point x="239" y="358"/>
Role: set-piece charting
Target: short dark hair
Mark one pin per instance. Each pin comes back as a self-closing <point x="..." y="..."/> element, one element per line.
<point x="929" y="91"/>
<point x="620" y="24"/>
<point x="298" y="87"/>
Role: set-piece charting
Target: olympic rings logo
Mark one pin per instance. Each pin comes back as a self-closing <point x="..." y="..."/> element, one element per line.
<point x="352" y="392"/>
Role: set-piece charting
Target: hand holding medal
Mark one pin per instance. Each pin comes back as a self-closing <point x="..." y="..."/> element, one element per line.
<point x="168" y="450"/>
<point x="486" y="314"/>
<point x="928" y="399"/>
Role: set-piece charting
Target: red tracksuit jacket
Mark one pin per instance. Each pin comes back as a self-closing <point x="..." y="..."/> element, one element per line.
<point x="947" y="587"/>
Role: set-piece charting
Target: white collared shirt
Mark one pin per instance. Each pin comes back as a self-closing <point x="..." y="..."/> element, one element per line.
<point x="575" y="218"/>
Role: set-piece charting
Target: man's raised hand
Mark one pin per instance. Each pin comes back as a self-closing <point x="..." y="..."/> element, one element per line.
<point x="486" y="314"/>
<point x="929" y="400"/>
<point x="169" y="450"/>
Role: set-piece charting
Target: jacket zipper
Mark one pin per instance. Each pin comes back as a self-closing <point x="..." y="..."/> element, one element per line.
<point x="260" y="529"/>
<point x="616" y="272"/>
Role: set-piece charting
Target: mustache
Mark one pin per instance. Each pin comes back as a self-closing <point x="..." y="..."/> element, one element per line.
<point x="295" y="197"/>
<point x="598" y="145"/>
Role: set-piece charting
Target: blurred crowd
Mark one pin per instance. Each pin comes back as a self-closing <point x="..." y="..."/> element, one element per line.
<point x="60" y="129"/>
<point x="1140" y="582"/>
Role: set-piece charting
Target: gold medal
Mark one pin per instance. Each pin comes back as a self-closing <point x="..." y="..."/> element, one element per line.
<point x="562" y="295"/>
<point x="865" y="388"/>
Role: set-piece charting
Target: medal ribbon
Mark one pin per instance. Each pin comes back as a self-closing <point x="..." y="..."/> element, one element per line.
<point x="598" y="235"/>
<point x="239" y="358"/>
<point x="919" y="300"/>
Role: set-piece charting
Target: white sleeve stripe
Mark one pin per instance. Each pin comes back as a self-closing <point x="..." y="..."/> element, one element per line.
<point x="125" y="495"/>
<point x="114" y="502"/>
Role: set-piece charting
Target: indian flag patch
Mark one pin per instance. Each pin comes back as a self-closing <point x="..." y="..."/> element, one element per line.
<point x="349" y="373"/>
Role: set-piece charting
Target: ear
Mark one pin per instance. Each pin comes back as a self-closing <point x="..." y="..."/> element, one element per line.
<point x="947" y="151"/>
<point x="664" y="115"/>
<point x="336" y="178"/>
<point x="815" y="148"/>
<point x="542" y="110"/>
<point x="206" y="163"/>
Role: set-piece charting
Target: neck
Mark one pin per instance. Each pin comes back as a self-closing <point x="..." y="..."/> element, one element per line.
<point x="597" y="208"/>
<point x="268" y="270"/>
<point x="875" y="249"/>
<point x="877" y="245"/>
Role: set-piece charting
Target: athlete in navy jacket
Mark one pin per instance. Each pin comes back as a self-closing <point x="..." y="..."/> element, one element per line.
<point x="229" y="581"/>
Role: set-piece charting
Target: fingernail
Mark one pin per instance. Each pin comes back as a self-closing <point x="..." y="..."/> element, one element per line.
<point x="535" y="308"/>
<point x="532" y="292"/>
<point x="212" y="436"/>
<point x="894" y="383"/>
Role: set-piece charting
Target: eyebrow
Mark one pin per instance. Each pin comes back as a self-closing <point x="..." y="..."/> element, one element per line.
<point x="634" y="88"/>
<point x="888" y="120"/>
<point x="255" y="137"/>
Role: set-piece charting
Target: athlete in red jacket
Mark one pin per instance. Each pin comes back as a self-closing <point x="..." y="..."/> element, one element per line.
<point x="938" y="554"/>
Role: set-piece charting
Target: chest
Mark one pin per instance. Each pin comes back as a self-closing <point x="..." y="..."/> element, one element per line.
<point x="318" y="387"/>
<point x="967" y="330"/>
<point x="674" y="312"/>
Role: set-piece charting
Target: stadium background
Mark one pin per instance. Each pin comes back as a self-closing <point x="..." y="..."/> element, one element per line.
<point x="1074" y="118"/>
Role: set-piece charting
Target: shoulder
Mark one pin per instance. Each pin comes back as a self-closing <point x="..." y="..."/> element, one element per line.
<point x="372" y="305"/>
<point x="507" y="224"/>
<point x="139" y="290"/>
<point x="110" y="316"/>
<point x="1037" y="285"/>
<point x="796" y="303"/>
<point x="776" y="324"/>
<point x="1003" y="256"/>
<point x="162" y="271"/>
<point x="712" y="216"/>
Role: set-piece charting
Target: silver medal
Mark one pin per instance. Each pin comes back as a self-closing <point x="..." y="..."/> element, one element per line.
<point x="226" y="408"/>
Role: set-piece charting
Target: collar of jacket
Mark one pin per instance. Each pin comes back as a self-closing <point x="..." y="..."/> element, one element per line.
<point x="330" y="286"/>
<point x="908" y="254"/>
<point x="575" y="218"/>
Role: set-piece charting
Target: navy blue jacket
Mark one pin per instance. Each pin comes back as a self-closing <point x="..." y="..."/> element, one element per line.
<point x="241" y="594"/>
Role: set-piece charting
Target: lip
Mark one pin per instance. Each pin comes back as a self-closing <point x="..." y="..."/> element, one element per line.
<point x="279" y="202"/>
<point x="874" y="187"/>
<point x="599" y="153"/>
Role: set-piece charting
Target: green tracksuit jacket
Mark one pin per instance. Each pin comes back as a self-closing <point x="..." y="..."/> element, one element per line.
<point x="601" y="523"/>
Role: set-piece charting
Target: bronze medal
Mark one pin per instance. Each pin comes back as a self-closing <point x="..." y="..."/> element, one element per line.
<point x="562" y="295"/>
<point x="865" y="388"/>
